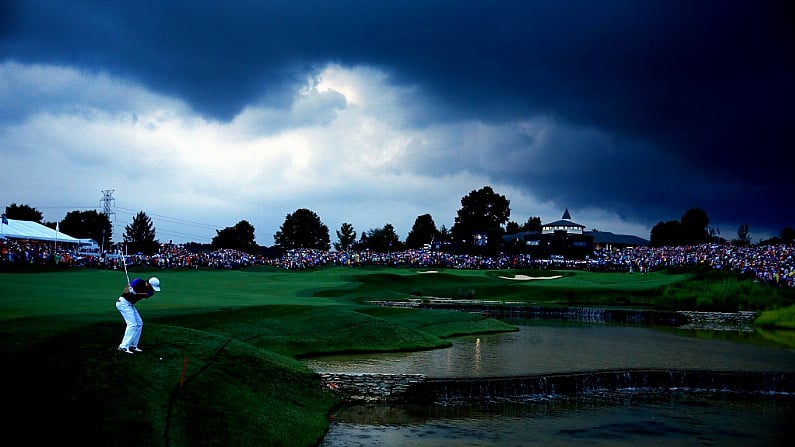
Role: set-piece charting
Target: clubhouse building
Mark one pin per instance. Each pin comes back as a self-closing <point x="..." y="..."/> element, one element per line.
<point x="567" y="238"/>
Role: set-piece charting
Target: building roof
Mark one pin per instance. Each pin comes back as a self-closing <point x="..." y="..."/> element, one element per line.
<point x="599" y="237"/>
<point x="519" y="235"/>
<point x="606" y="237"/>
<point x="563" y="223"/>
<point x="29" y="230"/>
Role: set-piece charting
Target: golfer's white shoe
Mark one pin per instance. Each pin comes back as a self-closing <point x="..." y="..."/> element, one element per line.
<point x="136" y="349"/>
<point x="126" y="351"/>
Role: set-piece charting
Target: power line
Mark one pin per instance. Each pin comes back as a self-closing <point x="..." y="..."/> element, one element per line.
<point x="173" y="219"/>
<point x="60" y="207"/>
<point x="109" y="208"/>
<point x="170" y="220"/>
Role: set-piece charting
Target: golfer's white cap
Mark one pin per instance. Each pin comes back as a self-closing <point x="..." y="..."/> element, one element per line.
<point x="155" y="283"/>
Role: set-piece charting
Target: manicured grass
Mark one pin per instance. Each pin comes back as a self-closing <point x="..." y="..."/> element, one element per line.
<point x="238" y="335"/>
<point x="783" y="318"/>
<point x="690" y="290"/>
<point x="571" y="288"/>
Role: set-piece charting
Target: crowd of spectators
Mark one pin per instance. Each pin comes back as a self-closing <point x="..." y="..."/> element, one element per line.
<point x="14" y="252"/>
<point x="766" y="263"/>
<point x="23" y="252"/>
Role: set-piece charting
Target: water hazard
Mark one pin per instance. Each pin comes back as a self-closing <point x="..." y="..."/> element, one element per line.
<point x="631" y="421"/>
<point x="542" y="347"/>
<point x="549" y="347"/>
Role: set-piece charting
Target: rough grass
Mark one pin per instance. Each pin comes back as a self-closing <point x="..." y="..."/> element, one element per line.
<point x="723" y="292"/>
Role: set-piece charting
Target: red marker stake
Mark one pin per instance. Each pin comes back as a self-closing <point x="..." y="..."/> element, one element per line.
<point x="184" y="369"/>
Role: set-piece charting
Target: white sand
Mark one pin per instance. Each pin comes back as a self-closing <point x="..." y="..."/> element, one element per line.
<point x="527" y="278"/>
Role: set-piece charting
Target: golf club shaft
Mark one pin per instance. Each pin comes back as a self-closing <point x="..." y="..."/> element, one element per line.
<point x="124" y="263"/>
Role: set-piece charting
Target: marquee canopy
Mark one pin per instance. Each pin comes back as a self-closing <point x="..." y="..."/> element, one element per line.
<point x="34" y="231"/>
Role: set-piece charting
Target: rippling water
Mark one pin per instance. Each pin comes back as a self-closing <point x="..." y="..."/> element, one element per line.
<point x="548" y="347"/>
<point x="672" y="421"/>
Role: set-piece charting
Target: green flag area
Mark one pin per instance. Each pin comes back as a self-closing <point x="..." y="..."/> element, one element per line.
<point x="221" y="349"/>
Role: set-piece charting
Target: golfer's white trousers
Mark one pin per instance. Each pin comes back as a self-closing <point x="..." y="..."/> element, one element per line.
<point x="134" y="323"/>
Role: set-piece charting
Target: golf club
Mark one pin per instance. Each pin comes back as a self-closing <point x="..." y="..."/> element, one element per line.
<point x="124" y="263"/>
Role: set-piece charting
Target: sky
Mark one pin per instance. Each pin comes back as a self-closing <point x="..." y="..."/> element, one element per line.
<point x="202" y="114"/>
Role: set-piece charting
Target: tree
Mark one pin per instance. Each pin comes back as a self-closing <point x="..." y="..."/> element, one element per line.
<point x="140" y="235"/>
<point x="788" y="235"/>
<point x="667" y="233"/>
<point x="442" y="240"/>
<point x="88" y="225"/>
<point x="714" y="235"/>
<point x="423" y="232"/>
<point x="240" y="237"/>
<point x="383" y="240"/>
<point x="694" y="226"/>
<point x="512" y="228"/>
<point x="444" y="234"/>
<point x="23" y="212"/>
<point x="482" y="211"/>
<point x="362" y="244"/>
<point x="302" y="229"/>
<point x="532" y="224"/>
<point x="743" y="235"/>
<point x="346" y="237"/>
<point x="693" y="229"/>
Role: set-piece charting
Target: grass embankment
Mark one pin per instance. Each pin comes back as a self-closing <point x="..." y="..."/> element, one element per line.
<point x="237" y="336"/>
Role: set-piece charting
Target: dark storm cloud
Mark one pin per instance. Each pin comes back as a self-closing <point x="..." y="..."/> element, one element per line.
<point x="689" y="103"/>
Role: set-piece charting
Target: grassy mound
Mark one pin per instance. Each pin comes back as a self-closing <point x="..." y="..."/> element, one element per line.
<point x="231" y="391"/>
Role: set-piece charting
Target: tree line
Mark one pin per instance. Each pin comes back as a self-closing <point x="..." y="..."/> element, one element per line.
<point x="483" y="213"/>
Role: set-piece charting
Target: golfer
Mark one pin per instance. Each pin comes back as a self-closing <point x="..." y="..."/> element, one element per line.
<point x="137" y="290"/>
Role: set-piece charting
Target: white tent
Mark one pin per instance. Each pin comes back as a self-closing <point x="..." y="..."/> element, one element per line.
<point x="29" y="230"/>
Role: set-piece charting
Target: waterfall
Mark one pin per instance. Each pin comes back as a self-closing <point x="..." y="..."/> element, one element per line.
<point x="413" y="388"/>
<point x="583" y="384"/>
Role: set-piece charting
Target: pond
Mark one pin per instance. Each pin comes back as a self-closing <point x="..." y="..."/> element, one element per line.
<point x="541" y="347"/>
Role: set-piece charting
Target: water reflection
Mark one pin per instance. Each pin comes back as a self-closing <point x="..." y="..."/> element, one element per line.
<point x="544" y="347"/>
<point x="631" y="421"/>
<point x="477" y="354"/>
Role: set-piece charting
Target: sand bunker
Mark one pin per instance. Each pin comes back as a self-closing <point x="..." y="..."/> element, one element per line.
<point x="429" y="271"/>
<point x="527" y="278"/>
